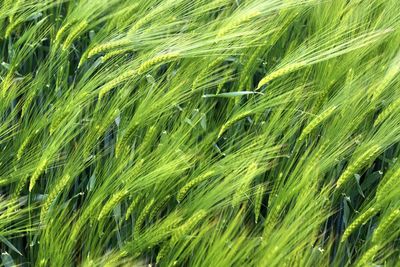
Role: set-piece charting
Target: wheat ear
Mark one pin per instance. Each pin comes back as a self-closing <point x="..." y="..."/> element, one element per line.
<point x="317" y="121"/>
<point x="384" y="225"/>
<point x="38" y="171"/>
<point x="74" y="33"/>
<point x="358" y="164"/>
<point x="259" y="194"/>
<point x="280" y="72"/>
<point x="183" y="191"/>
<point x="53" y="195"/>
<point x="114" y="200"/>
<point x="361" y="220"/>
<point x="142" y="217"/>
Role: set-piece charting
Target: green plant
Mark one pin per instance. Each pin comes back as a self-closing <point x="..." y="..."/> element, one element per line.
<point x="199" y="133"/>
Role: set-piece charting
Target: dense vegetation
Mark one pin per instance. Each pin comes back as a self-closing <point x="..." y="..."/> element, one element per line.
<point x="199" y="132"/>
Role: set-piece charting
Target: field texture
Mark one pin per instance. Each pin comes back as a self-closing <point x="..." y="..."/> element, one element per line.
<point x="200" y="133"/>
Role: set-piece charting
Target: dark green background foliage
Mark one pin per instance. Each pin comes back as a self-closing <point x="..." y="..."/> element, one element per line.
<point x="199" y="132"/>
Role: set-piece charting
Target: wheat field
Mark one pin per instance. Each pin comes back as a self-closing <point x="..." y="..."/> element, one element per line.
<point x="200" y="133"/>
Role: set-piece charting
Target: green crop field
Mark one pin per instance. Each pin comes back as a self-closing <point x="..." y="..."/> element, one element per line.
<point x="200" y="133"/>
